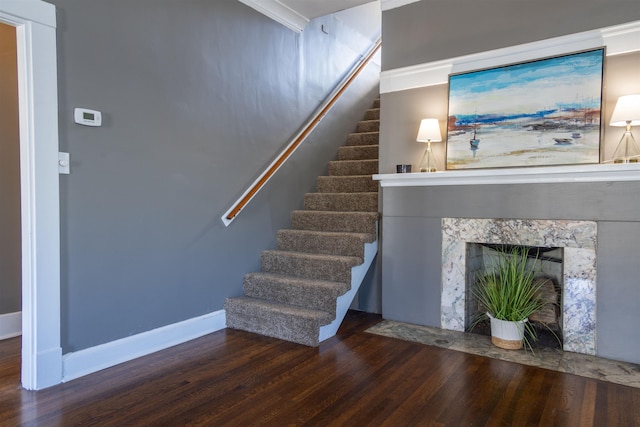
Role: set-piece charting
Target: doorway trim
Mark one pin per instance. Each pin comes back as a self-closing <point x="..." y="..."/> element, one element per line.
<point x="35" y="23"/>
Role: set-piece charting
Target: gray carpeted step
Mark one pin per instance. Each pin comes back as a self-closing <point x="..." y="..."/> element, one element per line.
<point x="352" y="222"/>
<point x="308" y="293"/>
<point x="287" y="322"/>
<point x="346" y="184"/>
<point x="368" y="126"/>
<point x="344" y="202"/>
<point x="353" y="167"/>
<point x="323" y="242"/>
<point x="372" y="114"/>
<point x="358" y="152"/>
<point x="334" y="268"/>
<point x="376" y="103"/>
<point x="363" y="138"/>
<point x="297" y="289"/>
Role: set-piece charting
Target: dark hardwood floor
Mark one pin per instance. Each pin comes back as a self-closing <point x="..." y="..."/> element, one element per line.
<point x="356" y="379"/>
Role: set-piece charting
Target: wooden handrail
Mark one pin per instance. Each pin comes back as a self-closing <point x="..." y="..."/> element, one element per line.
<point x="288" y="151"/>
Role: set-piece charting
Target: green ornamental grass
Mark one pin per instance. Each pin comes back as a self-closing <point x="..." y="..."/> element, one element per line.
<point x="508" y="290"/>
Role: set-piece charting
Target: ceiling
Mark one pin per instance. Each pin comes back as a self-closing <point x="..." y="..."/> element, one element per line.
<point x="314" y="8"/>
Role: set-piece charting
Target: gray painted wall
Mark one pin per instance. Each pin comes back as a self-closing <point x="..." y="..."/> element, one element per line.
<point x="197" y="97"/>
<point x="411" y="247"/>
<point x="430" y="30"/>
<point x="10" y="239"/>
<point x="411" y="240"/>
<point x="402" y="111"/>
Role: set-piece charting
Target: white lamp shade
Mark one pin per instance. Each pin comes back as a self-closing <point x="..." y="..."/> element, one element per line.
<point x="627" y="110"/>
<point x="429" y="131"/>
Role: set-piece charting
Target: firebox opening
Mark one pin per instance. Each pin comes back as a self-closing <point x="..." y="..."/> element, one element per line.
<point x="547" y="262"/>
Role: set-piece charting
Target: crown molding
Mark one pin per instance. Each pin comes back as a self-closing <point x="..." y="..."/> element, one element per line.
<point x="392" y="4"/>
<point x="618" y="40"/>
<point x="279" y="13"/>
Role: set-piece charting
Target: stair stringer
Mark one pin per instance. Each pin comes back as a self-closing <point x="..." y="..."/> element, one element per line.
<point x="344" y="301"/>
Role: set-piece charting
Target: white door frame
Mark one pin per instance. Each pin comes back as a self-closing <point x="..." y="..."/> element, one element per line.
<point x="35" y="23"/>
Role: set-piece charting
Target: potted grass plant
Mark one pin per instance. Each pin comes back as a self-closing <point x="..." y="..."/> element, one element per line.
<point x="509" y="294"/>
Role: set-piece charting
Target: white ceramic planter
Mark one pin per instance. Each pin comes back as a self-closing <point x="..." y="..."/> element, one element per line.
<point x="506" y="334"/>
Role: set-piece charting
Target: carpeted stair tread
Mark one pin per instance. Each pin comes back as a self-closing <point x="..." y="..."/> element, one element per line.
<point x="363" y="138"/>
<point x="334" y="268"/>
<point x="358" y="152"/>
<point x="353" y="167"/>
<point x="354" y="222"/>
<point x="287" y="322"/>
<point x="297" y="289"/>
<point x="323" y="242"/>
<point x="372" y="114"/>
<point x="368" y="126"/>
<point x="350" y="202"/>
<point x="376" y="103"/>
<point x="346" y="184"/>
<point x="309" y="293"/>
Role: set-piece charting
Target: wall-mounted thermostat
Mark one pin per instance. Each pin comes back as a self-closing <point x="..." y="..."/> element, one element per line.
<point x="84" y="116"/>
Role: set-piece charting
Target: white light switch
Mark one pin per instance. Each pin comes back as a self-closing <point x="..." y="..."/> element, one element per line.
<point x="63" y="164"/>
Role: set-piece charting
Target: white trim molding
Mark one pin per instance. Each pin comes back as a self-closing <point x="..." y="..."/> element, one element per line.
<point x="35" y="11"/>
<point x="618" y="40"/>
<point x="10" y="325"/>
<point x="534" y="175"/>
<point x="344" y="301"/>
<point x="393" y="4"/>
<point x="35" y="23"/>
<point x="279" y="13"/>
<point x="90" y="360"/>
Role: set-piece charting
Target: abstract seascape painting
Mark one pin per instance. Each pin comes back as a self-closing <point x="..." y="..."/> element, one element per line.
<point x="539" y="113"/>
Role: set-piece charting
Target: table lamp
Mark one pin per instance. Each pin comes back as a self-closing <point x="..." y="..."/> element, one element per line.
<point x="626" y="113"/>
<point x="428" y="132"/>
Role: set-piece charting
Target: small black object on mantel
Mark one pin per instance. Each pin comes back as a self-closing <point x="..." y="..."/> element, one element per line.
<point x="403" y="168"/>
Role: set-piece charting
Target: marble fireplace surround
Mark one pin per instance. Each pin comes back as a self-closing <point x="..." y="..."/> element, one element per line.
<point x="578" y="238"/>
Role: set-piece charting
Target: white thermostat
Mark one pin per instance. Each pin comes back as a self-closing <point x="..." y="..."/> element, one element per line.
<point x="84" y="116"/>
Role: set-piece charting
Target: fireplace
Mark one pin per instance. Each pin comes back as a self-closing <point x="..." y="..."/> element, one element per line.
<point x="577" y="241"/>
<point x="545" y="265"/>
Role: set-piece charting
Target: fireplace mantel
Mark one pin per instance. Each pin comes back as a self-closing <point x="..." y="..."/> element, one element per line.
<point x="532" y="175"/>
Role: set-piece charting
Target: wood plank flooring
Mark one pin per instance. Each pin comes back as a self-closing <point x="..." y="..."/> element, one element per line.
<point x="234" y="378"/>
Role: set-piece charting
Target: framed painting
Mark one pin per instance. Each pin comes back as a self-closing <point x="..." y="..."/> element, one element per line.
<point x="539" y="113"/>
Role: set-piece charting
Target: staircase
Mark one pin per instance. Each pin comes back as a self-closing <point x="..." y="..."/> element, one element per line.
<point x="306" y="285"/>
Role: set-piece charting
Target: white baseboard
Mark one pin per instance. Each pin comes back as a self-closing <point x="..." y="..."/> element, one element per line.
<point x="84" y="362"/>
<point x="10" y="325"/>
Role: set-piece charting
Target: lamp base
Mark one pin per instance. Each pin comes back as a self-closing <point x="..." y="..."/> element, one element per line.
<point x="627" y="150"/>
<point x="427" y="164"/>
